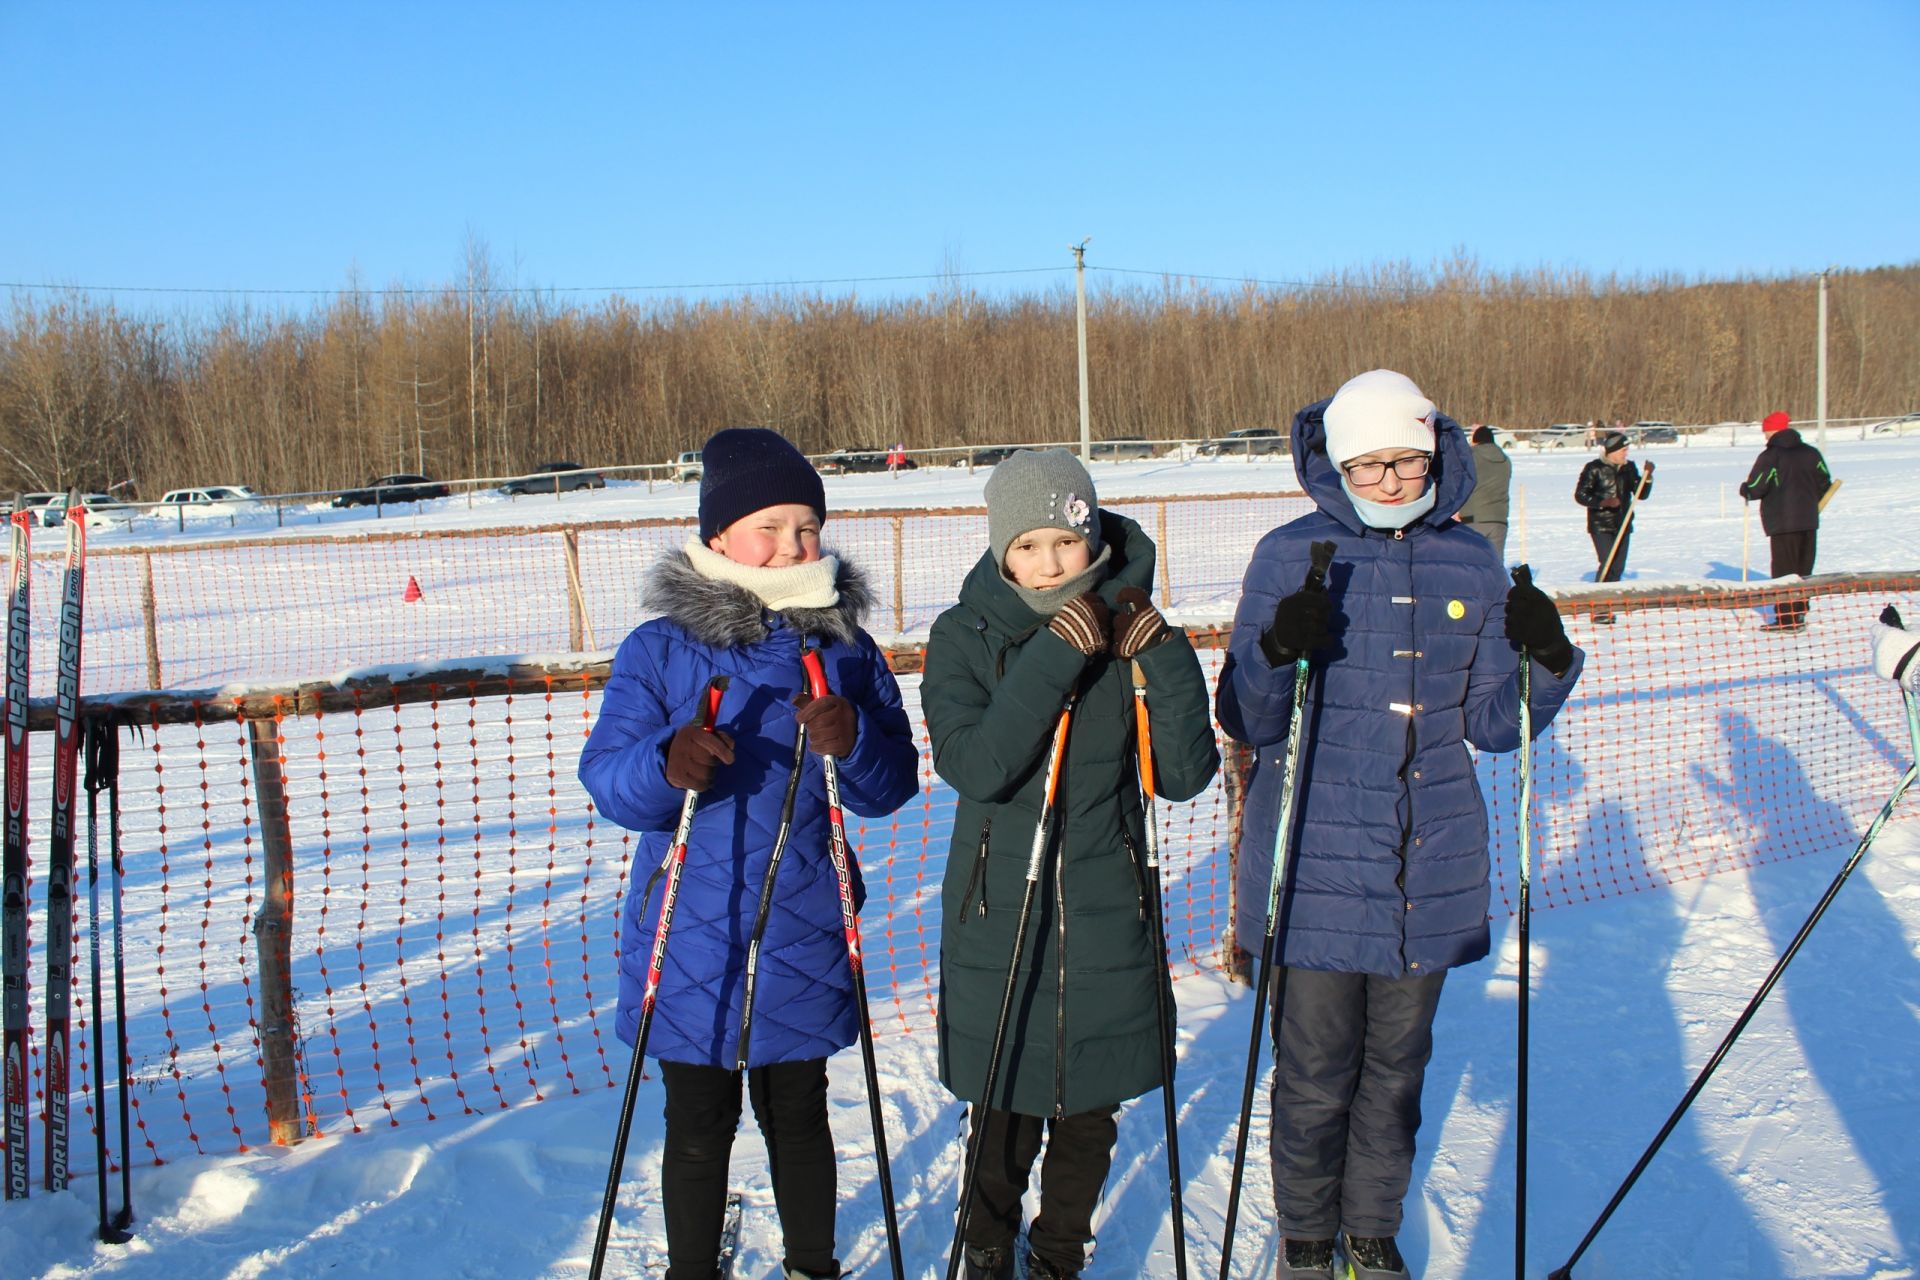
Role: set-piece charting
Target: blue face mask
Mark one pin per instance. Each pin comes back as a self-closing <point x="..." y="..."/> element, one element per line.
<point x="1381" y="515"/>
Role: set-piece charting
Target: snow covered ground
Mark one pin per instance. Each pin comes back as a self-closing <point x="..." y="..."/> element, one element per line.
<point x="1798" y="1161"/>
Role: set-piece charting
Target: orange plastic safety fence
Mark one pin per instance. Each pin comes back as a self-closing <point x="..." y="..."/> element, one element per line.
<point x="456" y="903"/>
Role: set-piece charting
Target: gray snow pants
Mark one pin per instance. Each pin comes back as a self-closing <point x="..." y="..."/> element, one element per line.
<point x="1351" y="1053"/>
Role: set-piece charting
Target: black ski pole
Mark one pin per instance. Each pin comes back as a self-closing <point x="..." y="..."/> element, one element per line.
<point x="1163" y="993"/>
<point x="1565" y="1271"/>
<point x="124" y="1218"/>
<point x="1042" y="837"/>
<point x="752" y="983"/>
<point x="1321" y="557"/>
<point x="672" y="865"/>
<point x="1523" y="577"/>
<point x="837" y="851"/>
<point x="100" y="744"/>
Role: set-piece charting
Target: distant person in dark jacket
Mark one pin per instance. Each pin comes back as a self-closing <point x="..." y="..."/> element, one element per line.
<point x="1486" y="510"/>
<point x="1607" y="489"/>
<point x="1788" y="480"/>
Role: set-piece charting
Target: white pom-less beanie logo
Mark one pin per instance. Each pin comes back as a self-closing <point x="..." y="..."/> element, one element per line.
<point x="1379" y="409"/>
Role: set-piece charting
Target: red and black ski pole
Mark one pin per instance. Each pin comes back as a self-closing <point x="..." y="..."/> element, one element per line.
<point x="1042" y="838"/>
<point x="1523" y="577"/>
<point x="101" y="746"/>
<point x="837" y="851"/>
<point x="671" y="866"/>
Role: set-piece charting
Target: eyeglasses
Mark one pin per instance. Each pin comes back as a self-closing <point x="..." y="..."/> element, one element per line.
<point x="1411" y="467"/>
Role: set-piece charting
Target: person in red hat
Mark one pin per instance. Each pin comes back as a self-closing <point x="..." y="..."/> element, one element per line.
<point x="1788" y="480"/>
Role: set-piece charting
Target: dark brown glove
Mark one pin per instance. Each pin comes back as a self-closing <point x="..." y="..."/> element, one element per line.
<point x="1610" y="504"/>
<point x="1137" y="625"/>
<point x="692" y="755"/>
<point x="831" y="724"/>
<point x="1085" y="623"/>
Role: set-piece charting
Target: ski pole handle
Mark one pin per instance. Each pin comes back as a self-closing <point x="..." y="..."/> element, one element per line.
<point x="1143" y="729"/>
<point x="1044" y="828"/>
<point x="1320" y="557"/>
<point x="837" y="850"/>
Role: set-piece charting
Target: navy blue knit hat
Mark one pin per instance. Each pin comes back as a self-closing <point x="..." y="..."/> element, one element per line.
<point x="744" y="469"/>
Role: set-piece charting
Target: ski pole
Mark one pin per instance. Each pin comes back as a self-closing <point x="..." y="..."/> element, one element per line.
<point x="101" y="746"/>
<point x="1565" y="1271"/>
<point x="1163" y="995"/>
<point x="837" y="852"/>
<point x="13" y="870"/>
<point x="1321" y="556"/>
<point x="1523" y="577"/>
<point x="1626" y="523"/>
<point x="672" y="865"/>
<point x="1042" y="837"/>
<point x="752" y="982"/>
<point x="111" y="766"/>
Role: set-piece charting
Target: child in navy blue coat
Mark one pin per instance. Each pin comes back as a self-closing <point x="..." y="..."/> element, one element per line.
<point x="1414" y="648"/>
<point x="743" y="600"/>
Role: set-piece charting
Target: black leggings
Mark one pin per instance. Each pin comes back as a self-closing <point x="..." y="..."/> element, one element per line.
<point x="1079" y="1153"/>
<point x="703" y="1113"/>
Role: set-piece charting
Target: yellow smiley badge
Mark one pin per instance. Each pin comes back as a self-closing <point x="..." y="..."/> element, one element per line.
<point x="1456" y="610"/>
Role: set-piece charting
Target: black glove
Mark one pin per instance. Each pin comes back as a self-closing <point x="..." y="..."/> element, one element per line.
<point x="1533" y="624"/>
<point x="831" y="722"/>
<point x="692" y="755"/>
<point x="1301" y="624"/>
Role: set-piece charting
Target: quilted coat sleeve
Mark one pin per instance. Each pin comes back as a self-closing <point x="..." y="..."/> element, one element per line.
<point x="1255" y="700"/>
<point x="1184" y="755"/>
<point x="624" y="764"/>
<point x="988" y="734"/>
<point x="881" y="773"/>
<point x="1493" y="684"/>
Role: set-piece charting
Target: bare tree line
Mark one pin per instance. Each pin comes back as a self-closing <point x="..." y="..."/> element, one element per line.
<point x="478" y="378"/>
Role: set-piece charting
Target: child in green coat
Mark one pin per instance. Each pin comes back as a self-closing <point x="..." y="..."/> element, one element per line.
<point x="1058" y="605"/>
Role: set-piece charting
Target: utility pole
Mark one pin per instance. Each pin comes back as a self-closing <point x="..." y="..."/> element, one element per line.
<point x="1080" y="306"/>
<point x="1821" y="364"/>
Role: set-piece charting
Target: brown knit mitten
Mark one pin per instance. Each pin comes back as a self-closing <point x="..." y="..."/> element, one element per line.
<point x="1137" y="625"/>
<point x="1084" y="623"/>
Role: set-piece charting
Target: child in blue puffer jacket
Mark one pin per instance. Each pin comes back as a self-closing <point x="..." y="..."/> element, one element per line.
<point x="1414" y="649"/>
<point x="742" y="601"/>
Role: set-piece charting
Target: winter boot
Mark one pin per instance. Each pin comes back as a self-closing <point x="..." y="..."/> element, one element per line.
<point x="1305" y="1260"/>
<point x="1038" y="1268"/>
<point x="1374" y="1258"/>
<point x="986" y="1264"/>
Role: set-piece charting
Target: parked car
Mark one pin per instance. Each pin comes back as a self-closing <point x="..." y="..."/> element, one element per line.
<point x="224" y="499"/>
<point x="1123" y="447"/>
<point x="556" y="477"/>
<point x="1561" y="435"/>
<point x="103" y="509"/>
<point x="987" y="457"/>
<point x="1897" y="426"/>
<point x="1654" y="433"/>
<point x="683" y="467"/>
<point x="402" y="487"/>
<point x="1245" y="443"/>
<point x="853" y="460"/>
<point x="39" y="503"/>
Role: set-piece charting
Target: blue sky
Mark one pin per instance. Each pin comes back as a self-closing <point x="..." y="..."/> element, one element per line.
<point x="273" y="146"/>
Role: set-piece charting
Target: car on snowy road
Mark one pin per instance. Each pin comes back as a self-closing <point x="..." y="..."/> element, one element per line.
<point x="556" y="478"/>
<point x="1244" y="443"/>
<point x="401" y="487"/>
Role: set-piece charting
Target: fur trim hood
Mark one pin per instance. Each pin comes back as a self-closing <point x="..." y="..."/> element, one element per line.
<point x="726" y="615"/>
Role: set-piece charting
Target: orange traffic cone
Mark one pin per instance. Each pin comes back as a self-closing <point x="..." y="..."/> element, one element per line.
<point x="412" y="592"/>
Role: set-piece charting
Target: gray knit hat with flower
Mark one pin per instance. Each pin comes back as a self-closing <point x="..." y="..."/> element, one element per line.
<point x="1040" y="489"/>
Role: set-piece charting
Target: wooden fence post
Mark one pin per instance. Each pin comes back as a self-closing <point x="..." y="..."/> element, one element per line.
<point x="579" y="630"/>
<point x="273" y="939"/>
<point x="899" y="580"/>
<point x="1166" y="556"/>
<point x="147" y="612"/>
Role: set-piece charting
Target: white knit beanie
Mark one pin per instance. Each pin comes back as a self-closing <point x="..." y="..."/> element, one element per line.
<point x="1379" y="409"/>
